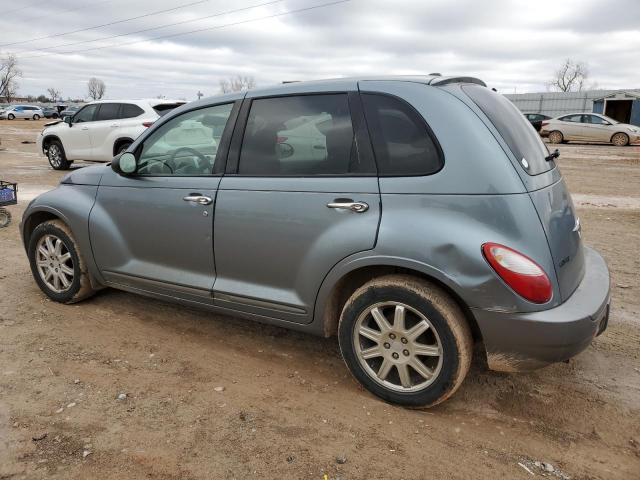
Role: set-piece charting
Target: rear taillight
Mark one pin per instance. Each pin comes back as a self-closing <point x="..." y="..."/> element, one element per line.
<point x="544" y="124"/>
<point x="518" y="271"/>
<point x="147" y="124"/>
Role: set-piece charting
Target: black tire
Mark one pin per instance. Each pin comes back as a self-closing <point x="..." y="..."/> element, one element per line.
<point x="556" y="137"/>
<point x="11" y="116"/>
<point x="80" y="285"/>
<point x="620" y="139"/>
<point x="56" y="156"/>
<point x="122" y="147"/>
<point x="36" y="117"/>
<point x="55" y="115"/>
<point x="5" y="217"/>
<point x="447" y="324"/>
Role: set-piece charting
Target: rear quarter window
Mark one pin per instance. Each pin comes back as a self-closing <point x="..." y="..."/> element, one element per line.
<point x="164" y="108"/>
<point x="517" y="132"/>
<point x="130" y="110"/>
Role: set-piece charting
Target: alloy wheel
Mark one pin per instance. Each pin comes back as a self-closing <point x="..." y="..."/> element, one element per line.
<point x="54" y="263"/>
<point x="398" y="346"/>
<point x="54" y="155"/>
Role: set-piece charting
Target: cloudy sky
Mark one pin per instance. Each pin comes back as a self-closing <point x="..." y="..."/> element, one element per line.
<point x="141" y="48"/>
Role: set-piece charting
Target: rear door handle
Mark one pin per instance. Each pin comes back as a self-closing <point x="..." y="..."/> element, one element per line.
<point x="199" y="199"/>
<point x="85" y="128"/>
<point x="348" y="204"/>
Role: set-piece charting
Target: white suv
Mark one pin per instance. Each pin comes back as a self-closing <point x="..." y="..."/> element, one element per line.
<point x="100" y="130"/>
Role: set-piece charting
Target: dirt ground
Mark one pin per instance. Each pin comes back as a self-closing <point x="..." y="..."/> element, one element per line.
<point x="288" y="407"/>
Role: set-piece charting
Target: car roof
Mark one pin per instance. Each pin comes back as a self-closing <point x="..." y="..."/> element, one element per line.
<point x="149" y="101"/>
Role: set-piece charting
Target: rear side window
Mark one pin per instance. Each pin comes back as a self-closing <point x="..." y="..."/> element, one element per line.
<point x="402" y="142"/>
<point x="108" y="111"/>
<point x="300" y="135"/>
<point x="165" y="108"/>
<point x="519" y="135"/>
<point x="129" y="110"/>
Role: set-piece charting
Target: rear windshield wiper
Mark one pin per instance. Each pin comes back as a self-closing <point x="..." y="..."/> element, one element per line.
<point x="553" y="156"/>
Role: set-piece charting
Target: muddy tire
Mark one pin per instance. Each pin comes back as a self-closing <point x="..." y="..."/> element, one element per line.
<point x="405" y="340"/>
<point x="57" y="264"/>
<point x="56" y="156"/>
<point x="620" y="139"/>
<point x="556" y="137"/>
<point x="5" y="217"/>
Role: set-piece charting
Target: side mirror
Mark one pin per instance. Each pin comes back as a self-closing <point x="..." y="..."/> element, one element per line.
<point x="67" y="119"/>
<point x="124" y="164"/>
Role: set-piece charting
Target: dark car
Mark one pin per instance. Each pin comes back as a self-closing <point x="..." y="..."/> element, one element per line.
<point x="50" y="112"/>
<point x="536" y="119"/>
<point x="69" y="111"/>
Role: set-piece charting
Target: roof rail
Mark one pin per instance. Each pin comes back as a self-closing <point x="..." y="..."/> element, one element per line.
<point x="447" y="80"/>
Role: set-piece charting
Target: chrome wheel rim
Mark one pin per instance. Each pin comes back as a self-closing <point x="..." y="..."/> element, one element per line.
<point x="619" y="140"/>
<point x="54" y="263"/>
<point x="398" y="346"/>
<point x="54" y="155"/>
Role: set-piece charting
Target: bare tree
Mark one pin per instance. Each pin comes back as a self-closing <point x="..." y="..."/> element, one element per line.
<point x="9" y="71"/>
<point x="53" y="94"/>
<point x="570" y="77"/>
<point x="237" y="84"/>
<point x="96" y="88"/>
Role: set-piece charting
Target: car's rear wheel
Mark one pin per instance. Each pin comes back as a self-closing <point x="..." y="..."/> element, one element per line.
<point x="11" y="116"/>
<point x="556" y="137"/>
<point x="620" y="139"/>
<point x="57" y="264"/>
<point x="56" y="156"/>
<point x="36" y="117"/>
<point x="405" y="340"/>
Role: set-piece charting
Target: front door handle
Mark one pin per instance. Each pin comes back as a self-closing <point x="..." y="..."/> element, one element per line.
<point x="85" y="128"/>
<point x="199" y="199"/>
<point x="348" y="204"/>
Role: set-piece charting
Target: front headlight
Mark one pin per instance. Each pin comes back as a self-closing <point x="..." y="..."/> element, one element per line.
<point x="634" y="130"/>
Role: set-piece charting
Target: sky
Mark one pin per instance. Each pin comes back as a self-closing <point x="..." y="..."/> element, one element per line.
<point x="514" y="46"/>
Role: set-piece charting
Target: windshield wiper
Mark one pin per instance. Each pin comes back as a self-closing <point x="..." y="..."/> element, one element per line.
<point x="552" y="156"/>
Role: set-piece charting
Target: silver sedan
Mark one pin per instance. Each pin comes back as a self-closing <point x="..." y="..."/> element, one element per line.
<point x="589" y="127"/>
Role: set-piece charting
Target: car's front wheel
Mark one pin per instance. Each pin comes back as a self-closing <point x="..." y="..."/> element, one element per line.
<point x="11" y="116"/>
<point x="57" y="264"/>
<point x="556" y="137"/>
<point x="405" y="340"/>
<point x="56" y="156"/>
<point x="620" y="139"/>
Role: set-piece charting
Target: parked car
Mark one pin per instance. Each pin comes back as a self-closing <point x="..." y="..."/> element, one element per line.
<point x="99" y="130"/>
<point x="50" y="112"/>
<point x="589" y="127"/>
<point x="536" y="119"/>
<point x="434" y="218"/>
<point x="69" y="111"/>
<point x="27" y="112"/>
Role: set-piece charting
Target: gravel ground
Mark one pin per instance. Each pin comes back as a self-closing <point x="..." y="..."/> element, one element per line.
<point x="121" y="386"/>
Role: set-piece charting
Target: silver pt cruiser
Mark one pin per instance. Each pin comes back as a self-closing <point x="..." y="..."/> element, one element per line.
<point x="409" y="216"/>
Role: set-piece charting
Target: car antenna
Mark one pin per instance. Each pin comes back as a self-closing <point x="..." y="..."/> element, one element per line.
<point x="552" y="156"/>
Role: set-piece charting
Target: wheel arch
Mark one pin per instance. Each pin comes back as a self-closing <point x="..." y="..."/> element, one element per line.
<point x="119" y="142"/>
<point x="35" y="218"/>
<point x="47" y="140"/>
<point x="616" y="133"/>
<point x="343" y="280"/>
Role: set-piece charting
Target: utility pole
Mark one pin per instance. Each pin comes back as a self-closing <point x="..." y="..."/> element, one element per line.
<point x="200" y="94"/>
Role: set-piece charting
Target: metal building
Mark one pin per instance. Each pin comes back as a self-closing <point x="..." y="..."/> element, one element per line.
<point x="622" y="105"/>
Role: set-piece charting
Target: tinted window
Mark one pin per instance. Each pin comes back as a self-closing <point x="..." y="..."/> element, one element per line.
<point x="165" y="108"/>
<point x="572" y="118"/>
<point x="520" y="136"/>
<point x="401" y="140"/>
<point x="594" y="119"/>
<point x="186" y="144"/>
<point x="85" y="114"/>
<point x="108" y="111"/>
<point x="129" y="110"/>
<point x="300" y="135"/>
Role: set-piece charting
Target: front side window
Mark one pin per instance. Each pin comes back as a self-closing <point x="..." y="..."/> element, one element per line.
<point x="85" y="114"/>
<point x="186" y="145"/>
<point x="401" y="140"/>
<point x="596" y="120"/>
<point x="108" y="111"/>
<point x="300" y="135"/>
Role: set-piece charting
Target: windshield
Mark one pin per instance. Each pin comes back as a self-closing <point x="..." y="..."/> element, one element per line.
<point x="517" y="132"/>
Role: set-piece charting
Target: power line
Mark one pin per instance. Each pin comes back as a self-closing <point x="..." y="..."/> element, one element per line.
<point x="217" y="27"/>
<point x="149" y="29"/>
<point x="150" y="14"/>
<point x="24" y="8"/>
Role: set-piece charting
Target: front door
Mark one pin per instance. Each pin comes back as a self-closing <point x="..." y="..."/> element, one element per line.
<point x="76" y="141"/>
<point x="153" y="231"/>
<point x="106" y="121"/>
<point x="300" y="195"/>
<point x="597" y="128"/>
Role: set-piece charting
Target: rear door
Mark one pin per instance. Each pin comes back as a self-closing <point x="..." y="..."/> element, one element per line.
<point x="153" y="231"/>
<point x="571" y="127"/>
<point x="300" y="194"/>
<point x="547" y="188"/>
<point x="597" y="128"/>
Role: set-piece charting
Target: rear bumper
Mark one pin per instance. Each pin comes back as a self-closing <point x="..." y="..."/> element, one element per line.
<point x="526" y="341"/>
